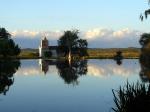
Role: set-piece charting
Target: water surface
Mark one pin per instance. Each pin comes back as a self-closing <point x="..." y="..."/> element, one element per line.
<point x="46" y="86"/>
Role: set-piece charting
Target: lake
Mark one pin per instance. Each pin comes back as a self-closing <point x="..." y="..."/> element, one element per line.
<point x="52" y="86"/>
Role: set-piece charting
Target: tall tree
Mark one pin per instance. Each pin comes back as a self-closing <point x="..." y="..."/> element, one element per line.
<point x="71" y="40"/>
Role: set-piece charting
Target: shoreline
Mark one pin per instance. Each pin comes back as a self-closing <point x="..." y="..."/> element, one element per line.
<point x="93" y="53"/>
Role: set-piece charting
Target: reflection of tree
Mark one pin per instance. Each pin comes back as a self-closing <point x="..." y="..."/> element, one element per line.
<point x="145" y="68"/>
<point x="71" y="71"/>
<point x="118" y="58"/>
<point x="7" y="69"/>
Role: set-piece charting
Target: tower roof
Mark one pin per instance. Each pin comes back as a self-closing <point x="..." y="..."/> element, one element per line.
<point x="45" y="38"/>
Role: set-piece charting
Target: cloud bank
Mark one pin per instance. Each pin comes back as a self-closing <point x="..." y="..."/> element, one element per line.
<point x="97" y="38"/>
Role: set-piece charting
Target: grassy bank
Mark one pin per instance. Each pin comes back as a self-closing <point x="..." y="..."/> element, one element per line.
<point x="131" y="53"/>
<point x="128" y="53"/>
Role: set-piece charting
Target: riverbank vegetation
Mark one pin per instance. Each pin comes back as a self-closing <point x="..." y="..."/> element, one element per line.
<point x="132" y="98"/>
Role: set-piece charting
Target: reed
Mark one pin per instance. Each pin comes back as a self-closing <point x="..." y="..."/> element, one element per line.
<point x="132" y="98"/>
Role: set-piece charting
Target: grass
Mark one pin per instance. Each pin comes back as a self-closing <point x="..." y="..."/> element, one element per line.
<point x="28" y="55"/>
<point x="132" y="98"/>
<point x="110" y="53"/>
<point x="128" y="53"/>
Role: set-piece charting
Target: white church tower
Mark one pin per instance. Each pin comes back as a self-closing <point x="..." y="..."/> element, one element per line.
<point x="43" y="47"/>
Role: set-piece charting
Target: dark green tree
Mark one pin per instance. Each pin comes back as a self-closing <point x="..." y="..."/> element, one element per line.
<point x="145" y="39"/>
<point x="4" y="34"/>
<point x="71" y="40"/>
<point x="7" y="45"/>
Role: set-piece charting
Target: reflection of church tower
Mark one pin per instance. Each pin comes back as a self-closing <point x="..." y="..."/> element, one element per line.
<point x="43" y="47"/>
<point x="44" y="65"/>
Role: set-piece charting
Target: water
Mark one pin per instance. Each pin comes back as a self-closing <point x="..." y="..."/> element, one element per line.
<point x="46" y="86"/>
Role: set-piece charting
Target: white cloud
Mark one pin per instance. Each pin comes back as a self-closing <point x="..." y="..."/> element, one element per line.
<point x="35" y="34"/>
<point x="98" y="37"/>
<point x="25" y="33"/>
<point x="94" y="33"/>
<point x="109" y="34"/>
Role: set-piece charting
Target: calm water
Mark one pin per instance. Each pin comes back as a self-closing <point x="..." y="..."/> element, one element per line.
<point x="47" y="86"/>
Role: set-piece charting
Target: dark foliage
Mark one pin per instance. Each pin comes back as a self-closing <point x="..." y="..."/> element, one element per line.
<point x="118" y="57"/>
<point x="145" y="39"/>
<point x="7" y="45"/>
<point x="132" y="98"/>
<point x="146" y="13"/>
<point x="48" y="54"/>
<point x="7" y="69"/>
<point x="71" y="40"/>
<point x="71" y="71"/>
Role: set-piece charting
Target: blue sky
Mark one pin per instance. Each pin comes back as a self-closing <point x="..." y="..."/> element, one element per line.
<point x="54" y="15"/>
<point x="66" y="14"/>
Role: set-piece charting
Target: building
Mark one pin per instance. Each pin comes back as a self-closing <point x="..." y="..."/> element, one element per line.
<point x="45" y="49"/>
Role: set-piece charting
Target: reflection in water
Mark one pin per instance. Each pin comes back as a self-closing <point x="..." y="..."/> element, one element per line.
<point x="118" y="62"/>
<point x="118" y="58"/>
<point x="135" y="97"/>
<point x="96" y="68"/>
<point x="70" y="71"/>
<point x="7" y="69"/>
<point x="44" y="65"/>
<point x="145" y="68"/>
<point x="92" y="95"/>
<point x="107" y="68"/>
<point x="145" y="64"/>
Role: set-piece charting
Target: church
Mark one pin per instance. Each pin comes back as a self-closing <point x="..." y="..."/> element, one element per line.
<point x="45" y="48"/>
<point x="54" y="51"/>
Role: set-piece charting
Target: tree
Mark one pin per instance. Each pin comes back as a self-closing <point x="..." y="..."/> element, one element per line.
<point x="71" y="40"/>
<point x="145" y="39"/>
<point x="4" y="34"/>
<point x="7" y="45"/>
<point x="146" y="13"/>
<point x="48" y="54"/>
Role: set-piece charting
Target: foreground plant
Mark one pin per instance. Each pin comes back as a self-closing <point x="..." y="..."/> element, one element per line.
<point x="132" y="98"/>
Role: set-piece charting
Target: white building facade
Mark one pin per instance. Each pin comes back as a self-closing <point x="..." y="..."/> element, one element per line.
<point x="45" y="48"/>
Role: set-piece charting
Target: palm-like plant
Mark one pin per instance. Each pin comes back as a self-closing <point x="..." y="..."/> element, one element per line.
<point x="146" y="13"/>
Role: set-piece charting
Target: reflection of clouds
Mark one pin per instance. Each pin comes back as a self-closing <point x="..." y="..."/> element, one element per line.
<point x="95" y="71"/>
<point x="96" y="68"/>
<point x="28" y="71"/>
<point x="109" y="68"/>
<point x="32" y="67"/>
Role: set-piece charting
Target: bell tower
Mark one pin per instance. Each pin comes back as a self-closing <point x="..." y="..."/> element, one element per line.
<point x="43" y="46"/>
<point x="44" y="43"/>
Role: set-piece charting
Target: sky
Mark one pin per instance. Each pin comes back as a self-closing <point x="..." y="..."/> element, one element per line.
<point x="101" y="22"/>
